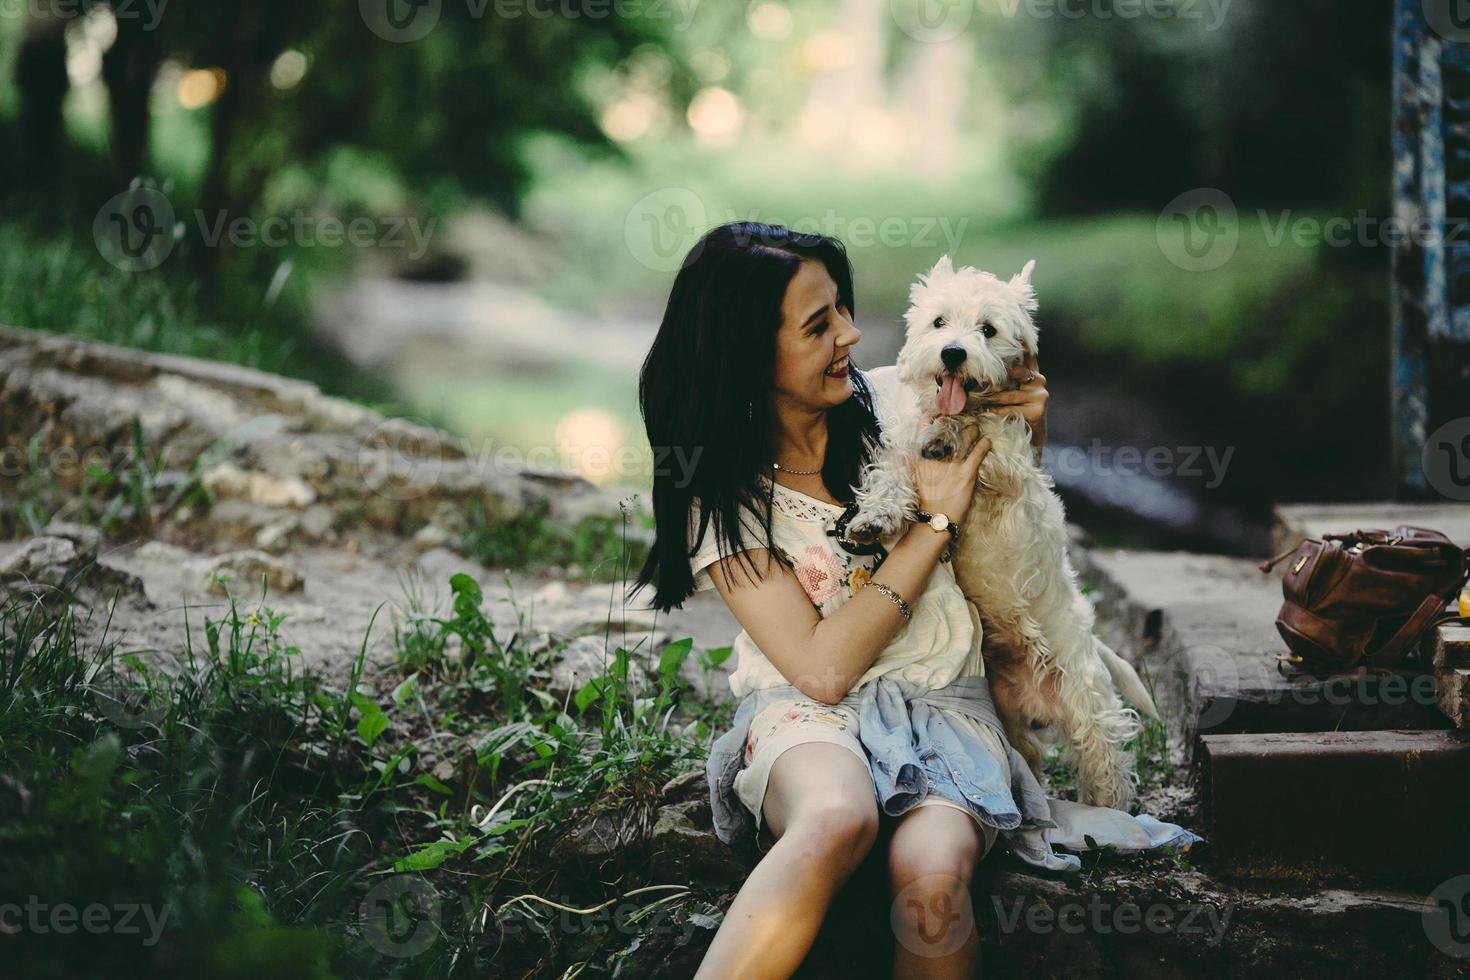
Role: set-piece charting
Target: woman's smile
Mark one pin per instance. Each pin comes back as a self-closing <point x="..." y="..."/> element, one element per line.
<point x="839" y="369"/>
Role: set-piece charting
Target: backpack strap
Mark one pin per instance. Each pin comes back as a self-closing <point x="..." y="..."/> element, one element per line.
<point x="1431" y="613"/>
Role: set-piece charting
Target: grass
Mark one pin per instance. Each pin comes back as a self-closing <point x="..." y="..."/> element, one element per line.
<point x="130" y="496"/>
<point x="594" y="549"/>
<point x="53" y="278"/>
<point x="1150" y="751"/>
<point x="272" y="820"/>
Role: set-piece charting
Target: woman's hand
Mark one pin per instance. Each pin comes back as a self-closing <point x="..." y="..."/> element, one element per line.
<point x="1028" y="401"/>
<point x="948" y="486"/>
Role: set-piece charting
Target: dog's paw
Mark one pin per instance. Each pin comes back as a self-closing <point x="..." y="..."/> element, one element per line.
<point x="871" y="526"/>
<point x="865" y="532"/>
<point x="941" y="445"/>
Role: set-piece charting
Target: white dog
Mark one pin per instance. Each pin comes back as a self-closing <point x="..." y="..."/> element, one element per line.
<point x="1047" y="671"/>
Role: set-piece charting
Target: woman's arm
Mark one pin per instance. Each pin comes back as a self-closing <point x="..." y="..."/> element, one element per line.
<point x="824" y="658"/>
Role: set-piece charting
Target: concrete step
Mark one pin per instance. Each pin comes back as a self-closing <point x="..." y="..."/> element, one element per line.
<point x="1156" y="921"/>
<point x="1450" y="656"/>
<point x="1381" y="803"/>
<point x="1294" y="523"/>
<point x="1201" y="629"/>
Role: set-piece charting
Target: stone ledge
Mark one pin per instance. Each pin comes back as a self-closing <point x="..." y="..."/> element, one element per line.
<point x="1332" y="796"/>
<point x="284" y="461"/>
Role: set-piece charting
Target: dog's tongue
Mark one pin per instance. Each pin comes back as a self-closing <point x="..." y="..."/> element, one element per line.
<point x="951" y="396"/>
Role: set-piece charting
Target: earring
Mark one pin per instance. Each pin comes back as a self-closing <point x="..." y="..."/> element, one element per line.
<point x="750" y="410"/>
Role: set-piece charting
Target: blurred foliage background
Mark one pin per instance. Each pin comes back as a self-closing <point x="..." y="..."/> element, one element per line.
<point x="532" y="170"/>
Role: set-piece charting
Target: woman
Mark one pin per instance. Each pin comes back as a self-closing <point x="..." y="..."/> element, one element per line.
<point x="859" y="669"/>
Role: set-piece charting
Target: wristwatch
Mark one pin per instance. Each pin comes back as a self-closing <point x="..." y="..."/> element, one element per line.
<point x="939" y="522"/>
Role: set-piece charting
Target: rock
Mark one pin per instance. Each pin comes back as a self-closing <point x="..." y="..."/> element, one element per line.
<point x="434" y="536"/>
<point x="598" y="838"/>
<point x="684" y="847"/>
<point x="162" y="552"/>
<point x="586" y="657"/>
<point x="565" y="610"/>
<point x="318" y="523"/>
<point x="87" y="539"/>
<point x="61" y="562"/>
<point x="228" y="480"/>
<point x="43" y="561"/>
<point x="236" y="520"/>
<point x="264" y="443"/>
<point x="276" y="538"/>
<point x="242" y="571"/>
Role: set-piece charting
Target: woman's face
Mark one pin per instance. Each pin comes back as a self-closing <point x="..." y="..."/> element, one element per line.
<point x="815" y="336"/>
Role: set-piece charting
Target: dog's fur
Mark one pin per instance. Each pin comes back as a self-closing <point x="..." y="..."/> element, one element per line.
<point x="1049" y="674"/>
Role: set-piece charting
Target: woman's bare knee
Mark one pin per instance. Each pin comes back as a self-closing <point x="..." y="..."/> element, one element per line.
<point x="931" y="861"/>
<point x="934" y="843"/>
<point x="823" y="794"/>
<point x="836" y="831"/>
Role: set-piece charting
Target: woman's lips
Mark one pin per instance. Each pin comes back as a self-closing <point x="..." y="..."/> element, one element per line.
<point x="841" y="373"/>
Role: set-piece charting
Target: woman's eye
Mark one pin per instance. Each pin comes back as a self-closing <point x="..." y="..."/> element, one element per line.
<point x="988" y="330"/>
<point x="938" y="323"/>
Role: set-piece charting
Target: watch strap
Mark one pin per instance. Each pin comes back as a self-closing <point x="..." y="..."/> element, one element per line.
<point x="925" y="517"/>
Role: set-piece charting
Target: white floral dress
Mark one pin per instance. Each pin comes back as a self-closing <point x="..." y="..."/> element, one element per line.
<point x="939" y="643"/>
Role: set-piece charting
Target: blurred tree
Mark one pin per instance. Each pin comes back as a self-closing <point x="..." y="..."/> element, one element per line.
<point x="1276" y="103"/>
<point x="448" y="105"/>
<point x="41" y="84"/>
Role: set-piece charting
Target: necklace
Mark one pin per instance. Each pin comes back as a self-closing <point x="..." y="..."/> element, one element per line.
<point x="795" y="472"/>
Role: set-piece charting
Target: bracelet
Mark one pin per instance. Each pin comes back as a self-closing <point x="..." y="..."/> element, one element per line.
<point x="903" y="607"/>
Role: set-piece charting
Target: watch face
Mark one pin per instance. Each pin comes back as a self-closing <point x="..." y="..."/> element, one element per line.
<point x="939" y="522"/>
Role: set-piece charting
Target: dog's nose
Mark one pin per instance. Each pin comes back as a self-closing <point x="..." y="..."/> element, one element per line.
<point x="952" y="356"/>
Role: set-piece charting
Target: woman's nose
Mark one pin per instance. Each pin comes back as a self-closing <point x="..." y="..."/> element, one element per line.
<point x="851" y="335"/>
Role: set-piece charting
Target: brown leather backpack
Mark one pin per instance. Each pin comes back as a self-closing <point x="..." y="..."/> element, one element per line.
<point x="1366" y="597"/>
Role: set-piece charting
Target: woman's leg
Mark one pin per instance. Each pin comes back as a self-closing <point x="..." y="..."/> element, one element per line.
<point x="931" y="863"/>
<point x="819" y="803"/>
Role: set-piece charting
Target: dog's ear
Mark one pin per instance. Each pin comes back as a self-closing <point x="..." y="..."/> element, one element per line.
<point x="944" y="267"/>
<point x="941" y="269"/>
<point x="1020" y="285"/>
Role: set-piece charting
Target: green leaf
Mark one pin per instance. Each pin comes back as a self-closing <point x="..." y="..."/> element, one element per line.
<point x="619" y="669"/>
<point x="431" y="855"/>
<point x="406" y="690"/>
<point x="467" y="596"/>
<point x="592" y="691"/>
<point x="719" y="655"/>
<point x="674" y="656"/>
<point x="373" y="722"/>
<point x="429" y="782"/>
<point x="371" y="726"/>
<point x="710" y="918"/>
